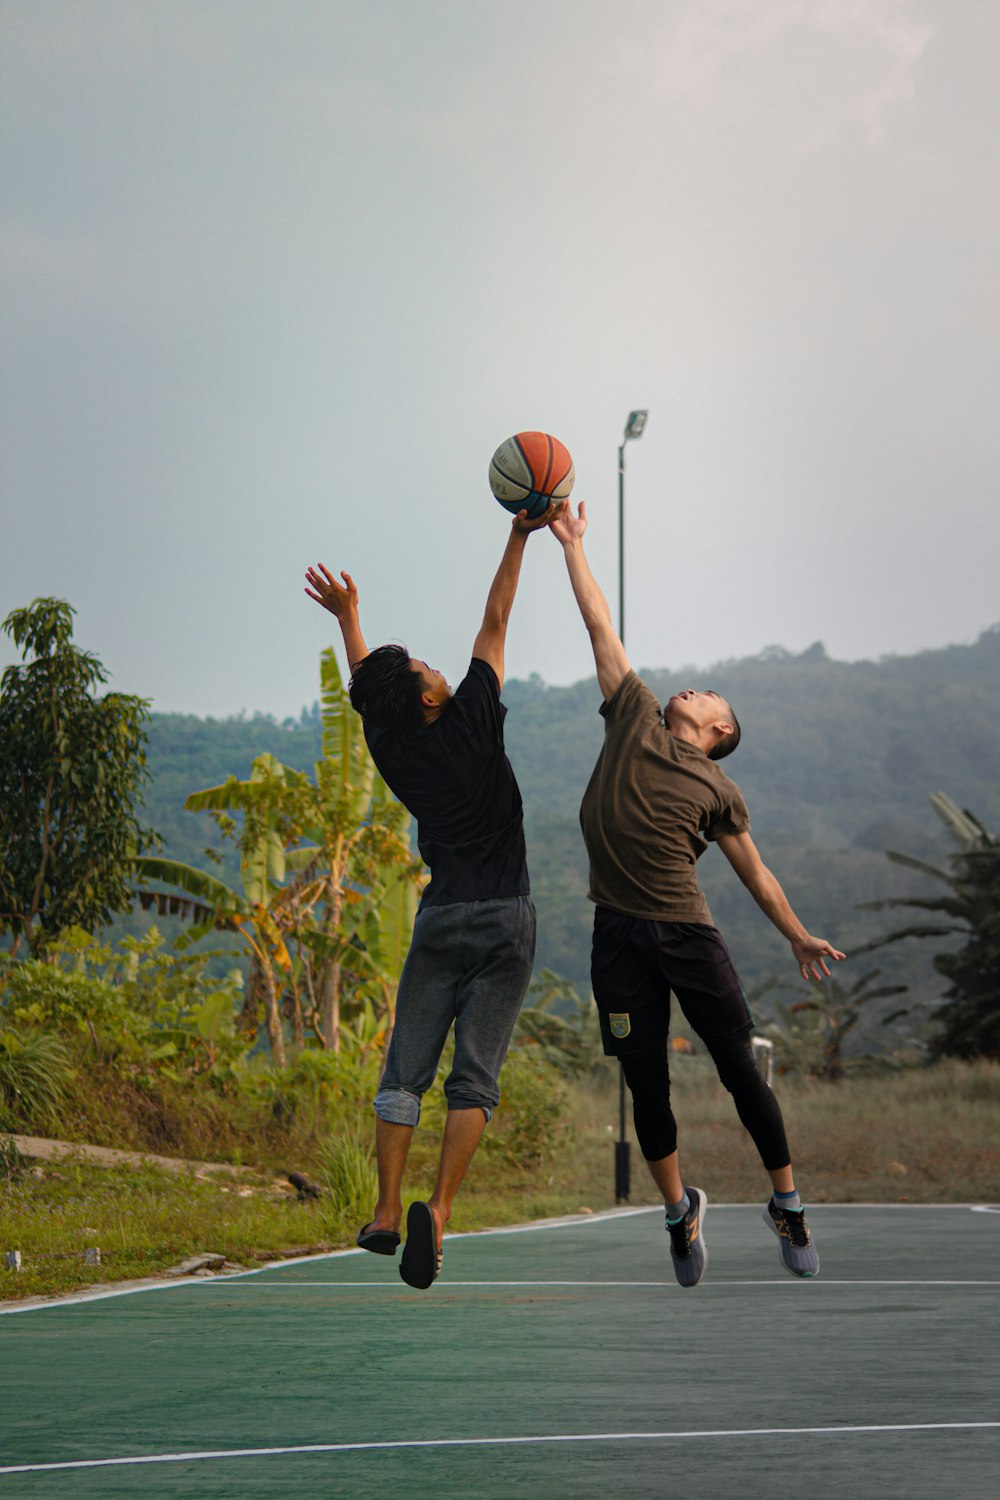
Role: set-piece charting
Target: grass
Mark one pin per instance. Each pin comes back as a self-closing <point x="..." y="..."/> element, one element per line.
<point x="916" y="1136"/>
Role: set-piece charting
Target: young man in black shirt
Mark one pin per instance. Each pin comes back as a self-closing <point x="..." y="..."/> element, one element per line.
<point x="470" y="959"/>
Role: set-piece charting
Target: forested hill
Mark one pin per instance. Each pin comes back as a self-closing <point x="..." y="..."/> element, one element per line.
<point x="837" y="762"/>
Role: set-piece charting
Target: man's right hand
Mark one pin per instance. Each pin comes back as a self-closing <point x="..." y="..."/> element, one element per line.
<point x="341" y="601"/>
<point x="570" y="528"/>
<point x="523" y="526"/>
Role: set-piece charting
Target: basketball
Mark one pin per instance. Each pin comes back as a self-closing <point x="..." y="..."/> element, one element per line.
<point x="529" y="471"/>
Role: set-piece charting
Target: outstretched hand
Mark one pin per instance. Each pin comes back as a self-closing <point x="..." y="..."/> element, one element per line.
<point x="339" y="600"/>
<point x="811" y="952"/>
<point x="523" y="525"/>
<point x="567" y="527"/>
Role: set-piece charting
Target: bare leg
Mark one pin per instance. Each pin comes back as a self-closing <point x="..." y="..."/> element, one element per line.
<point x="667" y="1176"/>
<point x="392" y="1146"/>
<point x="462" y="1133"/>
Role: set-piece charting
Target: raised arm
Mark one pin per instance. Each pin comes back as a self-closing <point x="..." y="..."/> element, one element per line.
<point x="342" y="601"/>
<point x="609" y="653"/>
<point x="742" y="854"/>
<point x="489" y="643"/>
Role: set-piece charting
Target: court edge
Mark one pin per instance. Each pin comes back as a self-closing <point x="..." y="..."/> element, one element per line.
<point x="129" y="1288"/>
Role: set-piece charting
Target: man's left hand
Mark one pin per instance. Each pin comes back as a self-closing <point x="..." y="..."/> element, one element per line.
<point x="810" y="952"/>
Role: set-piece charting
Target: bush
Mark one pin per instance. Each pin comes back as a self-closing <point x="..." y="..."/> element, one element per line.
<point x="11" y="1162"/>
<point x="35" y="1073"/>
<point x="347" y="1166"/>
<point x="139" y="1009"/>
<point x="528" y="1123"/>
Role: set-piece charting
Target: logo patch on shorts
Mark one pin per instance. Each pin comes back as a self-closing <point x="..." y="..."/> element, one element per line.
<point x="621" y="1025"/>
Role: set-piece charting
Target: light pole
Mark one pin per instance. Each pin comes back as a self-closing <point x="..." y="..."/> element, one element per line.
<point x="633" y="429"/>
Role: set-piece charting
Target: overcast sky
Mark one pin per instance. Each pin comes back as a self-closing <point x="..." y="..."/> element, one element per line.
<point x="279" y="277"/>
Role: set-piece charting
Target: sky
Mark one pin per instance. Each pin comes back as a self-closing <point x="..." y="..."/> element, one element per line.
<point x="279" y="278"/>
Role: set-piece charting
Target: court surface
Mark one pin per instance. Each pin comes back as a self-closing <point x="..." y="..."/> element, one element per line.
<point x="551" y="1361"/>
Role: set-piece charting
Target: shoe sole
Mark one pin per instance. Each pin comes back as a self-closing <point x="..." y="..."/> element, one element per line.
<point x="418" y="1264"/>
<point x="798" y="1275"/>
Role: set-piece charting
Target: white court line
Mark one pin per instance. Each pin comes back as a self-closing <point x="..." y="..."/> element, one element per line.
<point x="578" y="1220"/>
<point x="497" y="1442"/>
<point x="235" y="1282"/>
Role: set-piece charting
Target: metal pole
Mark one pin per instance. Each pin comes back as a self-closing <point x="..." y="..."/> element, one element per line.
<point x="621" y="543"/>
<point x="623" y="1174"/>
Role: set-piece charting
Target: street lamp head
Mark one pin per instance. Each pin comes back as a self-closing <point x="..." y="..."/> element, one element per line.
<point x="636" y="422"/>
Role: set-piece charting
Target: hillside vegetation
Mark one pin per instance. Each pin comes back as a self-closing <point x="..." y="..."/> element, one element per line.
<point x="837" y="763"/>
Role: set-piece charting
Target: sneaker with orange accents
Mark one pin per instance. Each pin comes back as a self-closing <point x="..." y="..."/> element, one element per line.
<point x="796" y="1250"/>
<point x="688" y="1250"/>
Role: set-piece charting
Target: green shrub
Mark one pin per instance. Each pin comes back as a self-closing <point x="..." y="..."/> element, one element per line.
<point x="528" y="1123"/>
<point x="347" y="1167"/>
<point x="139" y="1008"/>
<point x="319" y="1089"/>
<point x="11" y="1162"/>
<point x="35" y="1073"/>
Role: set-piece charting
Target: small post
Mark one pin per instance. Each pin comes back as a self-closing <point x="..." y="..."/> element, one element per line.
<point x="761" y="1045"/>
<point x="13" y="1260"/>
<point x="92" y="1255"/>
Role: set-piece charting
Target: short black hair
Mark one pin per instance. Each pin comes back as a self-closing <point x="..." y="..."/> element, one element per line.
<point x="385" y="691"/>
<point x="728" y="745"/>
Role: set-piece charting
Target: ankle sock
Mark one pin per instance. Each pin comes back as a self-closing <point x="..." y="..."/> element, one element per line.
<point x="676" y="1211"/>
<point x="790" y="1201"/>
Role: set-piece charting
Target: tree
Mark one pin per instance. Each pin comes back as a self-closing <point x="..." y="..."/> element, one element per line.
<point x="253" y="914"/>
<point x="969" y="1018"/>
<point x="820" y="1047"/>
<point x="72" y="766"/>
<point x="359" y="855"/>
<point x="327" y="876"/>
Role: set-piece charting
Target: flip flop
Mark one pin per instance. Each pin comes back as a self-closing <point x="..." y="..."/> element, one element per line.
<point x="380" y="1241"/>
<point x="420" y="1264"/>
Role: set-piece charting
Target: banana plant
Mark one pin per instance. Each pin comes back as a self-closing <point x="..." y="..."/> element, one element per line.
<point x="216" y="906"/>
<point x="968" y="1017"/>
<point x="357" y="833"/>
<point x="319" y="858"/>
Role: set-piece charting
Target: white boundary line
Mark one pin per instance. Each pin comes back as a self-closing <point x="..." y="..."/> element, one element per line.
<point x="497" y="1442"/>
<point x="39" y="1304"/>
<point x="392" y="1286"/>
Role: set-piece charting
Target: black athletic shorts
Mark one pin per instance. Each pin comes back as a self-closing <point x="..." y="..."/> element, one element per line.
<point x="636" y="963"/>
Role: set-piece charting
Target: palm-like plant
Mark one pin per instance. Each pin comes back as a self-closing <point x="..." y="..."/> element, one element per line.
<point x="326" y="871"/>
<point x="969" y="1018"/>
<point x="818" y="1045"/>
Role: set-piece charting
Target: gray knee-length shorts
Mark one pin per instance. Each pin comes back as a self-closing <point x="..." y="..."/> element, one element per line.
<point x="469" y="966"/>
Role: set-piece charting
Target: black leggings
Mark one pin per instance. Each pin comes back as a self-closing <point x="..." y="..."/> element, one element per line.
<point x="648" y="1077"/>
<point x="636" y="964"/>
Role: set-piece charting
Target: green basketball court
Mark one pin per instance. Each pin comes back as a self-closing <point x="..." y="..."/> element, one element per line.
<point x="556" y="1360"/>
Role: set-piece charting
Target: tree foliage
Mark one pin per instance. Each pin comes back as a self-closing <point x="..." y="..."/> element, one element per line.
<point x="328" y="886"/>
<point x="835" y="761"/>
<point x="811" y="1033"/>
<point x="969" y="1019"/>
<point x="72" y="764"/>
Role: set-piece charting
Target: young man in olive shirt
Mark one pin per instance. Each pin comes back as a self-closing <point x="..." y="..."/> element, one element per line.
<point x="470" y="959"/>
<point x="656" y="798"/>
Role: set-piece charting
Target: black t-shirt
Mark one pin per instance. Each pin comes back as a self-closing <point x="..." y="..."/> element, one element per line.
<point x="454" y="777"/>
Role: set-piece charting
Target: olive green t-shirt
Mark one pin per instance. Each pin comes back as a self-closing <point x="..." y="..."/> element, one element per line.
<point x="652" y="804"/>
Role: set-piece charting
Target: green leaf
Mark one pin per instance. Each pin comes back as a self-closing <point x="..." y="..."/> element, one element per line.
<point x="196" y="882"/>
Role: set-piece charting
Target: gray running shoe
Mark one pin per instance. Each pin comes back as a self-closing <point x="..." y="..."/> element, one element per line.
<point x="796" y="1250"/>
<point x="688" y="1250"/>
